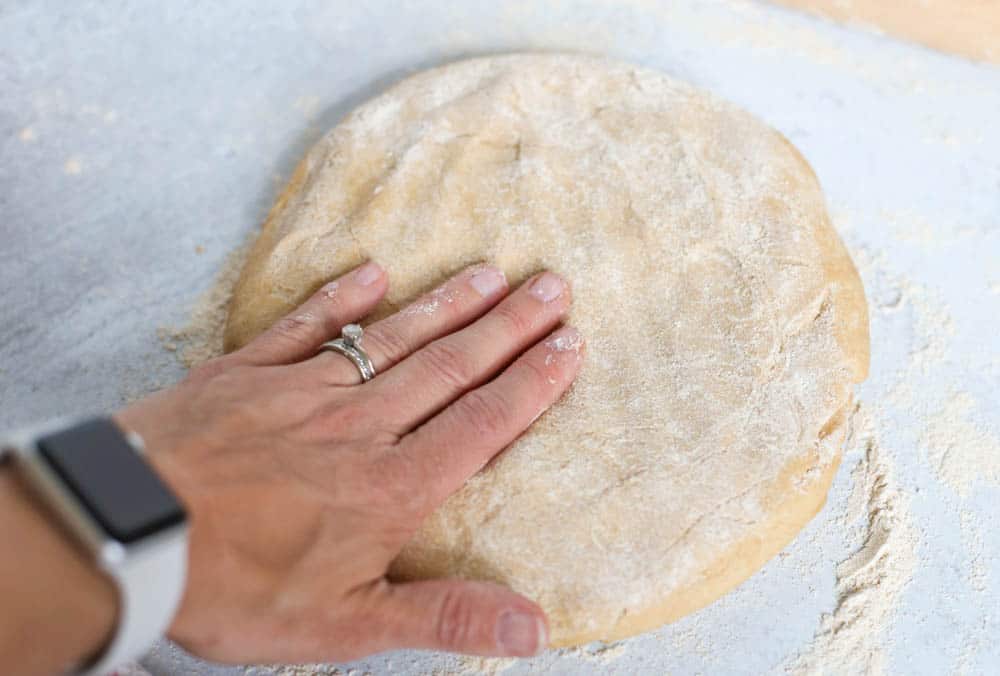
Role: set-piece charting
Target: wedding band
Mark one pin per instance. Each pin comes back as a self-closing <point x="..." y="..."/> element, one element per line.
<point x="349" y="345"/>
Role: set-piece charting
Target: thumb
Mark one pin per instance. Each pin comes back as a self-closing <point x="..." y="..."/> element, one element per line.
<point x="459" y="616"/>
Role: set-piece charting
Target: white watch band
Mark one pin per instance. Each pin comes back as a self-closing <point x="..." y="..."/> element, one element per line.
<point x="150" y="583"/>
<point x="149" y="574"/>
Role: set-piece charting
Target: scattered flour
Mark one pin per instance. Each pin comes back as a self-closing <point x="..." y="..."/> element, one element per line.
<point x="973" y="541"/>
<point x="973" y="534"/>
<point x="486" y="666"/>
<point x="73" y="166"/>
<point x="961" y="452"/>
<point x="909" y="227"/>
<point x="932" y="323"/>
<point x="422" y="307"/>
<point x="600" y="653"/>
<point x="934" y="327"/>
<point x="430" y="303"/>
<point x="201" y="338"/>
<point x="300" y="670"/>
<point x="953" y="429"/>
<point x="565" y="343"/>
<point x="870" y="581"/>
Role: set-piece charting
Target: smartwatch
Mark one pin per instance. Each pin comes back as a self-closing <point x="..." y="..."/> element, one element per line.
<point x="95" y="479"/>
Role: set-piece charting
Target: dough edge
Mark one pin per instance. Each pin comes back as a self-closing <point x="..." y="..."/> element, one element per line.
<point x="740" y="562"/>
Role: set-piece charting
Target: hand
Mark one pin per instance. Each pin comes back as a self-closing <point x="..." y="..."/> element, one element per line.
<point x="302" y="484"/>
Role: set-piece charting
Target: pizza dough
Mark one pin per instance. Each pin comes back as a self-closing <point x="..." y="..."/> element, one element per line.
<point x="724" y="317"/>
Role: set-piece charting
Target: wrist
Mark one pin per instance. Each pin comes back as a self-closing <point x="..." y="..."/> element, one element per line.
<point x="59" y="608"/>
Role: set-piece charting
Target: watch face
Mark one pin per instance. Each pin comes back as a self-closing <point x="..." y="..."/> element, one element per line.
<point x="115" y="484"/>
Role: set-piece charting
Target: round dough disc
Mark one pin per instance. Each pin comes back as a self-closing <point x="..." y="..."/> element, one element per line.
<point x="725" y="321"/>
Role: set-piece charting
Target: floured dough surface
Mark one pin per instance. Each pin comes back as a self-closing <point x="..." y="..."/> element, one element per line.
<point x="725" y="321"/>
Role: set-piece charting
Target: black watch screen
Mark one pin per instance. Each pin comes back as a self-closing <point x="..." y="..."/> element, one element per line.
<point x="115" y="484"/>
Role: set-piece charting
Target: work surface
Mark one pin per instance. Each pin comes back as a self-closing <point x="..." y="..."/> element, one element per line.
<point x="139" y="145"/>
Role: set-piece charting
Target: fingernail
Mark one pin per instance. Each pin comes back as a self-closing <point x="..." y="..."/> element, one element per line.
<point x="548" y="287"/>
<point x="520" y="634"/>
<point x="368" y="273"/>
<point x="487" y="281"/>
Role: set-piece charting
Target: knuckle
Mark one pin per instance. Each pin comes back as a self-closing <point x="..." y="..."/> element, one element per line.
<point x="295" y="327"/>
<point x="449" y="363"/>
<point x="388" y="340"/>
<point x="540" y="375"/>
<point x="514" y="322"/>
<point x="455" y="616"/>
<point x="487" y="412"/>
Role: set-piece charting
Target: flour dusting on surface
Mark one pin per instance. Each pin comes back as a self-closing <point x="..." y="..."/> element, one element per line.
<point x="870" y="581"/>
<point x="201" y="338"/>
<point x="484" y="666"/>
<point x="598" y="653"/>
<point x="962" y="452"/>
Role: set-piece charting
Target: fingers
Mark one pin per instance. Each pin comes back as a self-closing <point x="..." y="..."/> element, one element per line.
<point x="458" y="616"/>
<point x="299" y="335"/>
<point x="456" y="443"/>
<point x="448" y="367"/>
<point x="451" y="306"/>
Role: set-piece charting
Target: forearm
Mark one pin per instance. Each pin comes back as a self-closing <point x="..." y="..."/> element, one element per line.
<point x="57" y="607"/>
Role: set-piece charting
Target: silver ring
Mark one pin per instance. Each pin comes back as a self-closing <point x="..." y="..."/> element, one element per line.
<point x="349" y="345"/>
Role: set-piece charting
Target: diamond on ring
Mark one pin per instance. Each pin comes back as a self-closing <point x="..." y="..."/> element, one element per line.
<point x="352" y="335"/>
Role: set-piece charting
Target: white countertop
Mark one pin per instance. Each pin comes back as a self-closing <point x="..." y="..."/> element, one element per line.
<point x="131" y="138"/>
